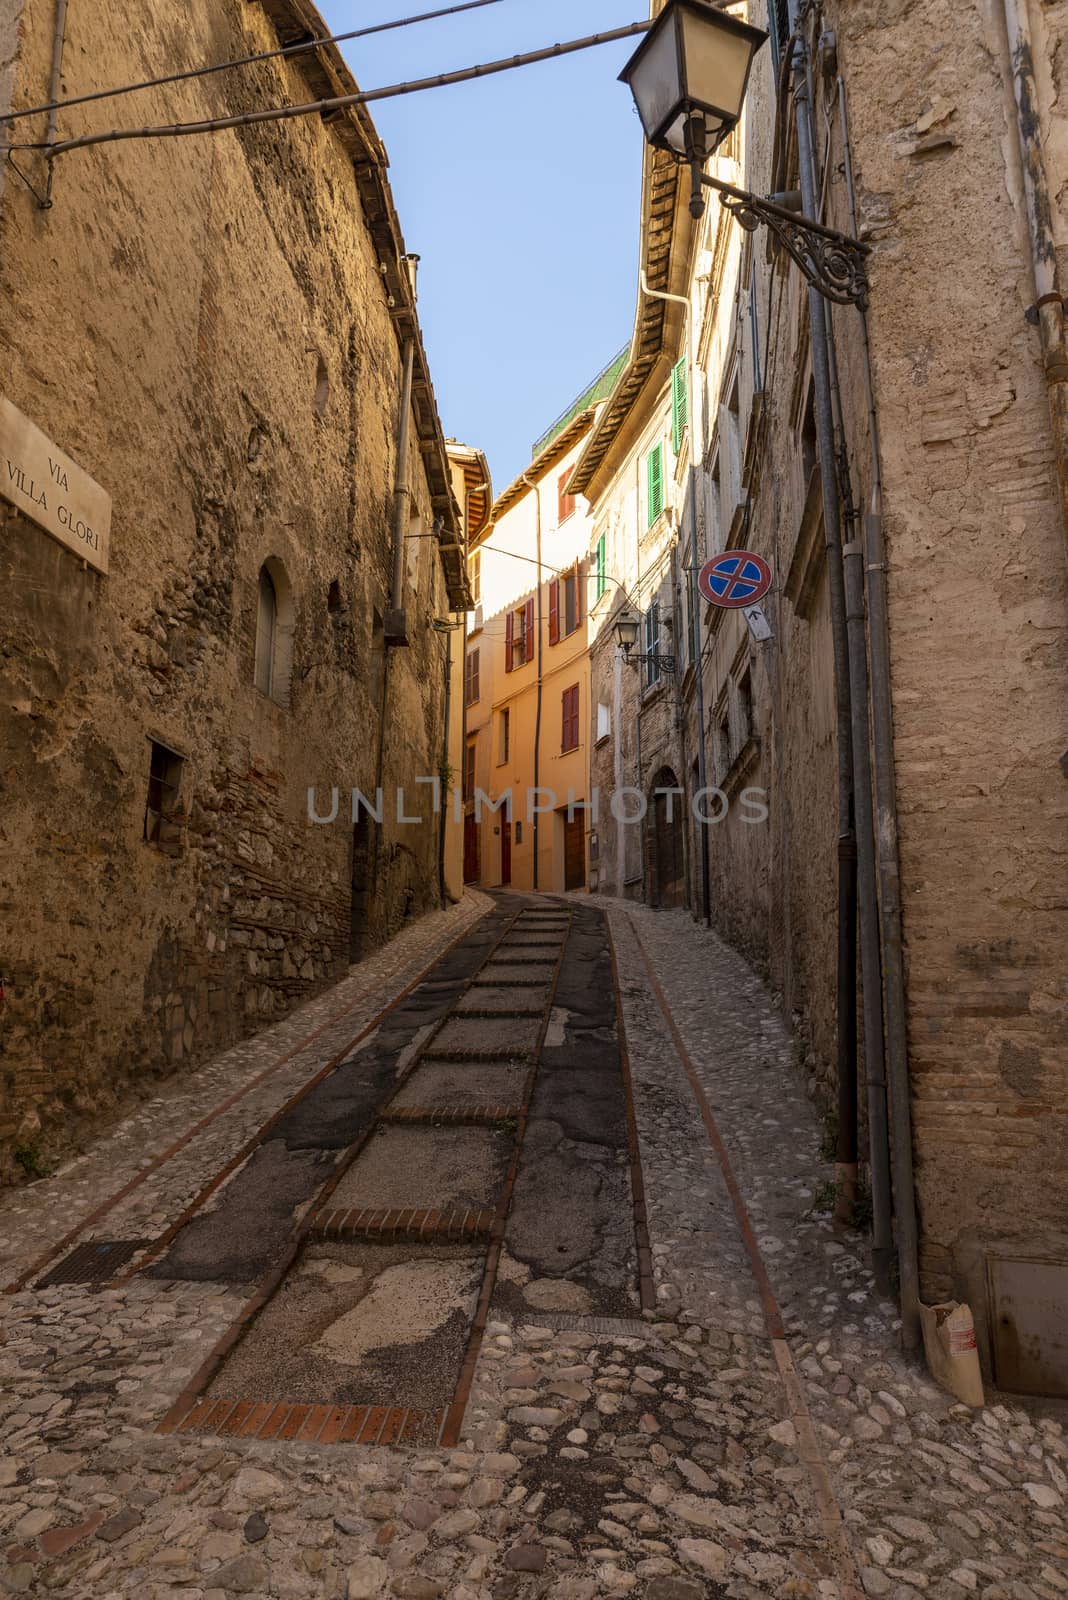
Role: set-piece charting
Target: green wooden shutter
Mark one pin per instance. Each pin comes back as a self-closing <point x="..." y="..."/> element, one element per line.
<point x="602" y="569"/>
<point x="655" y="483"/>
<point x="680" y="408"/>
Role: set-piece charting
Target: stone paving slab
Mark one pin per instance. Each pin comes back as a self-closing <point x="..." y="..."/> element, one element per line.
<point x="488" y="1036"/>
<point x="592" y="1464"/>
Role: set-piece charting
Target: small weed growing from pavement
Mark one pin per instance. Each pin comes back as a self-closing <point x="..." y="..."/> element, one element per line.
<point x="32" y="1162"/>
<point x="829" y="1139"/>
<point x="507" y="1125"/>
<point x="825" y="1200"/>
<point x="862" y="1211"/>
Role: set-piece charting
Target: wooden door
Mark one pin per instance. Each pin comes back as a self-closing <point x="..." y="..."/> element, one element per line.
<point x="669" y="865"/>
<point x="470" y="849"/>
<point x="506" y="852"/>
<point x="574" y="852"/>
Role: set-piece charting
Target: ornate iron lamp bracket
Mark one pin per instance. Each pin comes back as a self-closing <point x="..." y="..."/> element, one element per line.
<point x="665" y="664"/>
<point x="831" y="261"/>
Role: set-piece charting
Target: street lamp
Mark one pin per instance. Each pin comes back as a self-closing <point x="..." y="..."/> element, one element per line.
<point x="688" y="77"/>
<point x="627" y="631"/>
<point x="692" y="66"/>
<point x="627" y="626"/>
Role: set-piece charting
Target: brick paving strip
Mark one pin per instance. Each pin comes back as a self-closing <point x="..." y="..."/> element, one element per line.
<point x="190" y="1413"/>
<point x="829" y="1511"/>
<point x="305" y="1228"/>
<point x="471" y="910"/>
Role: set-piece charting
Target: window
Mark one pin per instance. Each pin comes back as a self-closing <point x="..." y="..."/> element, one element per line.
<point x="745" y="707"/>
<point x="651" y="644"/>
<point x="808" y="441"/>
<point x="565" y="503"/>
<point x="714" y="506"/>
<point x="654" y="479"/>
<point x="469" y="770"/>
<point x="600" y="567"/>
<point x="779" y="28"/>
<point x="693" y="616"/>
<point x="565" y="605"/>
<point x="503" y="730"/>
<point x="604" y="720"/>
<point x="474" y="568"/>
<point x="274" y="632"/>
<point x="266" y="632"/>
<point x="680" y="407"/>
<point x="471" y="690"/>
<point x="519" y="636"/>
<point x="570" y="730"/>
<point x="722" y="740"/>
<point x="163" y="807"/>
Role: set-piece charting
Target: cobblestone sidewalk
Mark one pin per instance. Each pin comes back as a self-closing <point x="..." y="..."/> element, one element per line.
<point x="667" y="1459"/>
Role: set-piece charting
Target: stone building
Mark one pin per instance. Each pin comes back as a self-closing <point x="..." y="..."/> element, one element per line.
<point x="535" y="576"/>
<point x="206" y="337"/>
<point x="951" y="459"/>
<point x="637" y="760"/>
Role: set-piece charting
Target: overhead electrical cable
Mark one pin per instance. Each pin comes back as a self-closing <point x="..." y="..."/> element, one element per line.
<point x="301" y="48"/>
<point x="336" y="102"/>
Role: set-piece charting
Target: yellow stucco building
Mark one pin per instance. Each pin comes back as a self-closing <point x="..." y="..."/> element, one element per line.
<point x="535" y="571"/>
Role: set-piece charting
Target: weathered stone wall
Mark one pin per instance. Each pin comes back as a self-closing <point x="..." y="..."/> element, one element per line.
<point x="978" y="612"/>
<point x="979" y="616"/>
<point x="202" y="324"/>
<point x="644" y="736"/>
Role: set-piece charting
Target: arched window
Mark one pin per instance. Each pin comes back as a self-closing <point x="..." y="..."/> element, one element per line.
<point x="274" y="632"/>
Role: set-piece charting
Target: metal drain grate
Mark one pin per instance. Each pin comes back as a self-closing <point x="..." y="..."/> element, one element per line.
<point x="93" y="1262"/>
<point x="566" y="1322"/>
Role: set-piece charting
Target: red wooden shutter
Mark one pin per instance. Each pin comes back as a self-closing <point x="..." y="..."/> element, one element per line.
<point x="528" y="630"/>
<point x="554" y="611"/>
<point x="509" y="640"/>
<point x="569" y="734"/>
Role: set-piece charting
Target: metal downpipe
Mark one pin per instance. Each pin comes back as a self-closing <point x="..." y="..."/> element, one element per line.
<point x="536" y="486"/>
<point x="889" y="867"/>
<point x="1049" y="305"/>
<point x="848" y="753"/>
<point x="402" y="492"/>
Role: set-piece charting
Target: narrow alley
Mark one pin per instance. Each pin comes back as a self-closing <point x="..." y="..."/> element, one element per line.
<point x="499" y="1270"/>
<point x="533" y="877"/>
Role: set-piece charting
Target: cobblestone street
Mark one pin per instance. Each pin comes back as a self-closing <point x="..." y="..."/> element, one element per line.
<point x="756" y="1432"/>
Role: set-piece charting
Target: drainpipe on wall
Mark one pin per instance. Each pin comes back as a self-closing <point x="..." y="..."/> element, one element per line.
<point x="1049" y="305"/>
<point x="55" y="84"/>
<point x="396" y="622"/>
<point x="531" y="483"/>
<point x="853" y="757"/>
<point x="882" y="718"/>
<point x="696" y="643"/>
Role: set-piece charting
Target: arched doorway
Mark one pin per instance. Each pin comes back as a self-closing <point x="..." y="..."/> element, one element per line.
<point x="667" y="855"/>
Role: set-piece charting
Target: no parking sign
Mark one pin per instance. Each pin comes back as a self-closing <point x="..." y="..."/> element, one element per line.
<point x="736" y="579"/>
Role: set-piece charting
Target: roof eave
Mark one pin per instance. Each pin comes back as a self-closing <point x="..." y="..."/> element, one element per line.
<point x="668" y="237"/>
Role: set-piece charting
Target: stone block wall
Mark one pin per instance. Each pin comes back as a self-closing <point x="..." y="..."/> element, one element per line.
<point x="204" y="326"/>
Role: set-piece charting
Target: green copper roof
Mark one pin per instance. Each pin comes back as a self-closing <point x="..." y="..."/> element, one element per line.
<point x="599" y="389"/>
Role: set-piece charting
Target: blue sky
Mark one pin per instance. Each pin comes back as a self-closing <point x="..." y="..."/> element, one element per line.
<point x="521" y="194"/>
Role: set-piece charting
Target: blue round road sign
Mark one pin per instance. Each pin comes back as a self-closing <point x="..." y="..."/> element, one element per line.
<point x="735" y="579"/>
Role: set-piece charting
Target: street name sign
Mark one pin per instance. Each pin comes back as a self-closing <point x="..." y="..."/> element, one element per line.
<point x="46" y="485"/>
<point x="735" y="579"/>
<point x="757" y="623"/>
